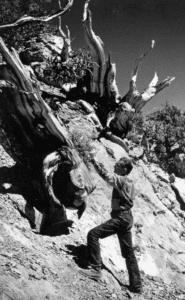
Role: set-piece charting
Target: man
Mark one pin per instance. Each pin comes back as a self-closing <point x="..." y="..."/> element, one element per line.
<point x="120" y="224"/>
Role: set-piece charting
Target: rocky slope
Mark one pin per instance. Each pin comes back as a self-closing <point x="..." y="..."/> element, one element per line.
<point x="46" y="267"/>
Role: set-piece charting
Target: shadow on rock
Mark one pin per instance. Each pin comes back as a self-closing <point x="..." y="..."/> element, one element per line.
<point x="79" y="254"/>
<point x="18" y="180"/>
<point x="60" y="228"/>
<point x="19" y="183"/>
<point x="8" y="180"/>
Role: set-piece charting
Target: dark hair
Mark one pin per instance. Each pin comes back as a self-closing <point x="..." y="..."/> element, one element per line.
<point x="125" y="163"/>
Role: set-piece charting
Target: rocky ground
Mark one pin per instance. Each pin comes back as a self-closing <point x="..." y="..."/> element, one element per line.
<point x="46" y="267"/>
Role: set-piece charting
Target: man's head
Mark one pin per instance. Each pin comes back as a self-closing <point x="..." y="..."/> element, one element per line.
<point x="124" y="166"/>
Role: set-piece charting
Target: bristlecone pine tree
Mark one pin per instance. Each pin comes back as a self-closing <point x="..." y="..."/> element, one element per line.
<point x="45" y="143"/>
<point x="165" y="130"/>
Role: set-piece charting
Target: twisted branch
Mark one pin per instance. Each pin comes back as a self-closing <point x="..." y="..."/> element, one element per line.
<point x="136" y="99"/>
<point x="29" y="19"/>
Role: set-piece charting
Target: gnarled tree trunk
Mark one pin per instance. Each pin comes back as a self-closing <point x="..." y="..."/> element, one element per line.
<point x="45" y="142"/>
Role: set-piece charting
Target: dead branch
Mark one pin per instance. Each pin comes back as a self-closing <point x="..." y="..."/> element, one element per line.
<point x="151" y="91"/>
<point x="28" y="19"/>
<point x="136" y="99"/>
<point x="67" y="38"/>
<point x="138" y="61"/>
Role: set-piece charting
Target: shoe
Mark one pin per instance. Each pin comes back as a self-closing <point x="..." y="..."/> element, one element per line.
<point x="91" y="273"/>
<point x="136" y="290"/>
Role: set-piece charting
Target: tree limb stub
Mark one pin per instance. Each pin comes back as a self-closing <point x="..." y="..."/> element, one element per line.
<point x="136" y="99"/>
<point x="28" y="19"/>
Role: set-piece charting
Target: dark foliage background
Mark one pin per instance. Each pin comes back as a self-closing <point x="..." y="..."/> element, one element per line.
<point x="11" y="10"/>
<point x="163" y="134"/>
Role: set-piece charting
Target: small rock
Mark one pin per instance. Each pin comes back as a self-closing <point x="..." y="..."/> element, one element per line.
<point x="1" y="239"/>
<point x="7" y="185"/>
<point x="182" y="297"/>
<point x="156" y="278"/>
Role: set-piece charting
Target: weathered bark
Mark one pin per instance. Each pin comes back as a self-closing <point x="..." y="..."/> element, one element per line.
<point x="104" y="72"/>
<point x="29" y="103"/>
<point x="44" y="140"/>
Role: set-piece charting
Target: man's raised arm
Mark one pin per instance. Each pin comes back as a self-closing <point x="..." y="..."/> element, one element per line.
<point x="111" y="178"/>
